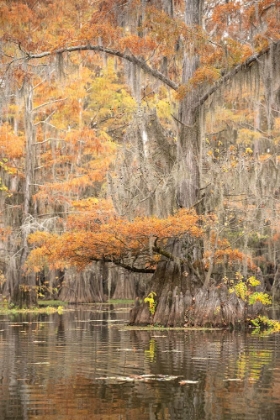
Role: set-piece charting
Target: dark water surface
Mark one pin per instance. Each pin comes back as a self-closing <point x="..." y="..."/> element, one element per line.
<point x="84" y="365"/>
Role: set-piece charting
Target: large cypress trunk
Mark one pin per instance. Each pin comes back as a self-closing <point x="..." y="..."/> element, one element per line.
<point x="179" y="305"/>
<point x="171" y="283"/>
<point x="172" y="291"/>
<point x="184" y="296"/>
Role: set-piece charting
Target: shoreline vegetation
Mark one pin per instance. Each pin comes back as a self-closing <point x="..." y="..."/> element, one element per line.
<point x="262" y="325"/>
<point x="46" y="307"/>
<point x="52" y="306"/>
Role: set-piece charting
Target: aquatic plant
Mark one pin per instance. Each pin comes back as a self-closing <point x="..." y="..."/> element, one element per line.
<point x="150" y="299"/>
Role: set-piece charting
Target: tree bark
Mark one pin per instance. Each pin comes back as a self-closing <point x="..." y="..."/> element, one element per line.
<point x="24" y="292"/>
<point x="84" y="286"/>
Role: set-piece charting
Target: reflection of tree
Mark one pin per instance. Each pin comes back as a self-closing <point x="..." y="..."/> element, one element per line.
<point x="233" y="374"/>
<point x="228" y="370"/>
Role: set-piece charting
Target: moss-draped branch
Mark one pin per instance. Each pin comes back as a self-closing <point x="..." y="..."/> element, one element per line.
<point x="141" y="63"/>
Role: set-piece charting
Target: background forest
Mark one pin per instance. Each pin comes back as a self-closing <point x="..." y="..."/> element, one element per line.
<point x="139" y="155"/>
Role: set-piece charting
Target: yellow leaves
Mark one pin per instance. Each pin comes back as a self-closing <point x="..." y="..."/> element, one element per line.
<point x="241" y="290"/>
<point x="150" y="299"/>
<point x="252" y="281"/>
<point x="244" y="289"/>
<point x="264" y="323"/>
<point x="3" y="187"/>
<point x="13" y="110"/>
<point x="247" y="136"/>
<point x="160" y="100"/>
<point x="108" y="100"/>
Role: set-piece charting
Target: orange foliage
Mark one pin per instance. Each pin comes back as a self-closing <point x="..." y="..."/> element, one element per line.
<point x="11" y="152"/>
<point x="205" y="74"/>
<point x="233" y="255"/>
<point x="4" y="233"/>
<point x="73" y="147"/>
<point x="137" y="45"/>
<point x="11" y="145"/>
<point x="99" y="234"/>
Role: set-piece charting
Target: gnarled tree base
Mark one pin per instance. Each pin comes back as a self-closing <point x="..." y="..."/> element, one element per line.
<point x="180" y="302"/>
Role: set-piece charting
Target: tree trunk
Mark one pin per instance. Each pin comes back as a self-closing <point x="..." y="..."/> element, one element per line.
<point x="188" y="152"/>
<point x="84" y="286"/>
<point x="126" y="285"/>
<point x="24" y="292"/>
<point x="172" y="287"/>
<point x="180" y="300"/>
<point x="182" y="295"/>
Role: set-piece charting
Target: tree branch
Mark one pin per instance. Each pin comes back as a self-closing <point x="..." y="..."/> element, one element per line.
<point x="98" y="48"/>
<point x="228" y="76"/>
<point x="153" y="72"/>
<point x="48" y="103"/>
<point x="126" y="266"/>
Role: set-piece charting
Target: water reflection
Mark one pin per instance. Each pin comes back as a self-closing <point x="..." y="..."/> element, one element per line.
<point x="84" y="364"/>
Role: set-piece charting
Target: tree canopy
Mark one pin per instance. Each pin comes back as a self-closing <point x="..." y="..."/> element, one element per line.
<point x="128" y="124"/>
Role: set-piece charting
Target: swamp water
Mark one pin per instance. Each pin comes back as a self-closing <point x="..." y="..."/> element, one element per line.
<point x="85" y="365"/>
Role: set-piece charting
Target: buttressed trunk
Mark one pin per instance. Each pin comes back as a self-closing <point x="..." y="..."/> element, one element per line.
<point x="173" y="284"/>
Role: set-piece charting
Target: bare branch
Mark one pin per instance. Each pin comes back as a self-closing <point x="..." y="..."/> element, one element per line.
<point x="98" y="48"/>
<point x="48" y="103"/>
<point x="126" y="266"/>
